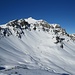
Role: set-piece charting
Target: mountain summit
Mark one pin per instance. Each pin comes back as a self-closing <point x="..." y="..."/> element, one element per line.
<point x="36" y="47"/>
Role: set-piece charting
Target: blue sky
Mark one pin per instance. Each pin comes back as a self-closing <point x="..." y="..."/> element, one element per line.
<point x="53" y="11"/>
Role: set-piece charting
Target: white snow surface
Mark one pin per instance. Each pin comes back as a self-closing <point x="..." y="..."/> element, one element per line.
<point x="31" y="20"/>
<point x="36" y="54"/>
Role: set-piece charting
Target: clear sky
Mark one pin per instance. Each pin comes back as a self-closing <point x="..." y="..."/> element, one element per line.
<point x="53" y="11"/>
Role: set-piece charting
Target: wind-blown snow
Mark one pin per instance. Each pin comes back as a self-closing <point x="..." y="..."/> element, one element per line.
<point x="37" y="50"/>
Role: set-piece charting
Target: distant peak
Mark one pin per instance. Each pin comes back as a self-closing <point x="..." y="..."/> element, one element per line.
<point x="30" y="18"/>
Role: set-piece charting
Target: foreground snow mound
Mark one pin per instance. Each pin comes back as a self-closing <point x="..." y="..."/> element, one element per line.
<point x="24" y="71"/>
<point x="32" y="43"/>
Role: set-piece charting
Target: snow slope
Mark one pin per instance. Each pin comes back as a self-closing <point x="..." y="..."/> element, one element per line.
<point x="37" y="52"/>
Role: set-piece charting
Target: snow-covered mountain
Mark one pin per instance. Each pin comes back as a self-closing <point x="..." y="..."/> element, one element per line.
<point x="30" y="47"/>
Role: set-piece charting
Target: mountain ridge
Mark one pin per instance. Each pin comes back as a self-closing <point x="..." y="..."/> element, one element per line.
<point x="42" y="22"/>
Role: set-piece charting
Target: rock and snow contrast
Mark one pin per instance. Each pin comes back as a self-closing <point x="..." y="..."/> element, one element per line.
<point x="35" y="47"/>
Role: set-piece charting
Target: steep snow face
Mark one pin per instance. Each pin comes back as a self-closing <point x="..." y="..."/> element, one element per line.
<point x="36" y="49"/>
